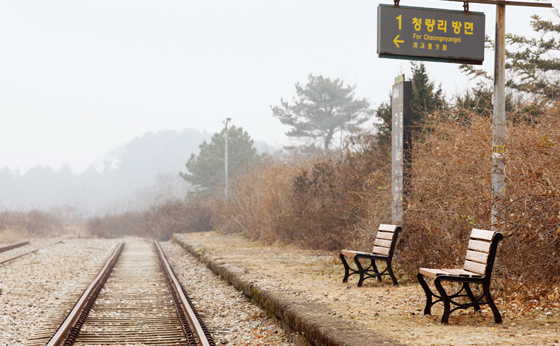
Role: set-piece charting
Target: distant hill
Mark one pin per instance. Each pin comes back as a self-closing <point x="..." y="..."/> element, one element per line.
<point x="143" y="158"/>
<point x="136" y="175"/>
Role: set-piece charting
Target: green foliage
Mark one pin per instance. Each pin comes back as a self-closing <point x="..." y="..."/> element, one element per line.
<point x="324" y="107"/>
<point x="207" y="170"/>
<point x="478" y="100"/>
<point x="425" y="100"/>
<point x="385" y="113"/>
<point x="532" y="62"/>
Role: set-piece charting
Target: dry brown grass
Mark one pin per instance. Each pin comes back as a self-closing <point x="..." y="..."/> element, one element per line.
<point x="159" y="222"/>
<point x="114" y="226"/>
<point x="321" y="203"/>
<point x="334" y="202"/>
<point x="179" y="217"/>
<point x="12" y="236"/>
<point x="259" y="200"/>
<point x="15" y="226"/>
<point x="450" y="194"/>
<point x="331" y="203"/>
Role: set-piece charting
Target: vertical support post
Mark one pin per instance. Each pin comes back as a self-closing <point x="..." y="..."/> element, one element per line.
<point x="499" y="122"/>
<point x="226" y="160"/>
<point x="226" y="185"/>
<point x="401" y="119"/>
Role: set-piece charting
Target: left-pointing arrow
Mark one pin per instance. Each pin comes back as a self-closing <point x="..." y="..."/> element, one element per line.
<point x="397" y="41"/>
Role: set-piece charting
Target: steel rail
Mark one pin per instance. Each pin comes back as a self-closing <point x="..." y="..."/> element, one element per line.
<point x="191" y="314"/>
<point x="28" y="252"/>
<point x="74" y="314"/>
<point x="13" y="246"/>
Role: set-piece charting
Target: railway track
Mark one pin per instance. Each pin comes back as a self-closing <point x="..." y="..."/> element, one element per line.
<point x="13" y="246"/>
<point x="134" y="300"/>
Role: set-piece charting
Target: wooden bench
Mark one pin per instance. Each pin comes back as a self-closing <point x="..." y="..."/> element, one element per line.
<point x="383" y="249"/>
<point x="476" y="270"/>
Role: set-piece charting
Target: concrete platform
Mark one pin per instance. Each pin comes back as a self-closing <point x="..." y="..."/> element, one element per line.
<point x="306" y="322"/>
<point x="303" y="291"/>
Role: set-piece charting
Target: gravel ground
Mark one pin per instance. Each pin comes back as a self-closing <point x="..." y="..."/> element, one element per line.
<point x="34" y="288"/>
<point x="34" y="285"/>
<point x="33" y="244"/>
<point x="230" y="316"/>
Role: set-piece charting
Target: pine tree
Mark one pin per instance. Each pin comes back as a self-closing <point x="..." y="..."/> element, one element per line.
<point x="385" y="113"/>
<point x="207" y="169"/>
<point x="425" y="100"/>
<point x="532" y="64"/>
<point x="324" y="108"/>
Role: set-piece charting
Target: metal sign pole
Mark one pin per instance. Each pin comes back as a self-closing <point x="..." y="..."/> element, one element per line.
<point x="396" y="47"/>
<point x="499" y="128"/>
<point x="226" y="160"/>
<point x="397" y="150"/>
<point x="401" y="121"/>
<point x="499" y="119"/>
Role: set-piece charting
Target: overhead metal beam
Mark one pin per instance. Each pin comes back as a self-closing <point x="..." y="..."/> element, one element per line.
<point x="506" y="2"/>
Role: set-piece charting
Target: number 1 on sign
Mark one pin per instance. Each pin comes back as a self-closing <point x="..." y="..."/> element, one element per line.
<point x="400" y="21"/>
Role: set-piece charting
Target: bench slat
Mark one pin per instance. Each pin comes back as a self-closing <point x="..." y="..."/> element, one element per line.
<point x="381" y="250"/>
<point x="430" y="272"/>
<point x="475" y="256"/>
<point x="433" y="273"/>
<point x="475" y="267"/>
<point x="387" y="228"/>
<point x="348" y="253"/>
<point x="461" y="272"/>
<point x="482" y="234"/>
<point x="382" y="242"/>
<point x="479" y="245"/>
<point x="385" y="235"/>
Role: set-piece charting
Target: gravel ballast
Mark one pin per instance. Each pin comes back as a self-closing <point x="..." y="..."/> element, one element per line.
<point x="36" y="287"/>
<point x="306" y="285"/>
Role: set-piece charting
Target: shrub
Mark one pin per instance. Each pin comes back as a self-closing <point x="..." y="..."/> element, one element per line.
<point x="34" y="223"/>
<point x="450" y="193"/>
<point x="159" y="222"/>
<point x="334" y="202"/>
<point x="114" y="226"/>
<point x="319" y="204"/>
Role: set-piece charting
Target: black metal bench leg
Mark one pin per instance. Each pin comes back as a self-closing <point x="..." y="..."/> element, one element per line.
<point x="471" y="296"/>
<point x="445" y="300"/>
<point x="497" y="316"/>
<point x="375" y="270"/>
<point x="429" y="294"/>
<point x="346" y="269"/>
<point x="361" y="270"/>
<point x="390" y="270"/>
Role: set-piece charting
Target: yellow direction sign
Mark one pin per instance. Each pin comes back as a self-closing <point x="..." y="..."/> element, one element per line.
<point x="430" y="34"/>
<point x="397" y="41"/>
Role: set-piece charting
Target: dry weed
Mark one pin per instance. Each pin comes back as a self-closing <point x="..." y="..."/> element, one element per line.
<point x="334" y="202"/>
<point x="23" y="225"/>
<point x="450" y="193"/>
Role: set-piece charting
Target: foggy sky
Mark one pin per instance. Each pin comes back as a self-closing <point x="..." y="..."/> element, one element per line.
<point x="78" y="78"/>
